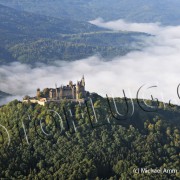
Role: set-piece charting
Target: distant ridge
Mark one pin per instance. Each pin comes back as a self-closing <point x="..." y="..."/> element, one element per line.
<point x="4" y="94"/>
<point x="164" y="11"/>
<point x="26" y="23"/>
<point x="31" y="38"/>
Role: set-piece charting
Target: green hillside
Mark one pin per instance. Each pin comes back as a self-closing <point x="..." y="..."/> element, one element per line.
<point x="88" y="149"/>
<point x="25" y="23"/>
<point x="30" y="38"/>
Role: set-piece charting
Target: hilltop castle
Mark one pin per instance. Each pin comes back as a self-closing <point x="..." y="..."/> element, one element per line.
<point x="72" y="92"/>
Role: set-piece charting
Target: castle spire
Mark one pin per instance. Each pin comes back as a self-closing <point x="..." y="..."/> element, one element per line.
<point x="83" y="80"/>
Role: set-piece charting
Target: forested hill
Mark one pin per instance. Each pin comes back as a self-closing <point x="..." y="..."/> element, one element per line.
<point x="31" y="38"/>
<point x="88" y="148"/>
<point x="16" y="26"/>
<point x="164" y="11"/>
<point x="25" y="23"/>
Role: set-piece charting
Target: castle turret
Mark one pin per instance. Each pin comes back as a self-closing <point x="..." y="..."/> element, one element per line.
<point x="80" y="89"/>
<point x="38" y="94"/>
<point x="56" y="91"/>
<point x="71" y="84"/>
<point x="83" y="81"/>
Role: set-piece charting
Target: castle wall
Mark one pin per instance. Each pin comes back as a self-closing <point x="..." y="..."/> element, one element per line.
<point x="67" y="93"/>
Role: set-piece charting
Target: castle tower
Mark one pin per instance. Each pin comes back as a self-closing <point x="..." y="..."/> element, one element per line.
<point x="57" y="93"/>
<point x="51" y="94"/>
<point x="61" y="92"/>
<point x="77" y="90"/>
<point x="38" y="94"/>
<point x="83" y="81"/>
<point x="80" y="89"/>
<point x="71" y="84"/>
<point x="74" y="92"/>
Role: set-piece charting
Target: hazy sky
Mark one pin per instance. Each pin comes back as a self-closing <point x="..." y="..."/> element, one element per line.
<point x="157" y="64"/>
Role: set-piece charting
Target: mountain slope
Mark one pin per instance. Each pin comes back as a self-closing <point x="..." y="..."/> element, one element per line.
<point x="166" y="11"/>
<point x="24" y="25"/>
<point x="31" y="38"/>
<point x="106" y="150"/>
<point x="3" y="94"/>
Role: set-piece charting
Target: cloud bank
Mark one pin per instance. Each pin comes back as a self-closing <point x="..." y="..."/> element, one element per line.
<point x="121" y="25"/>
<point x="157" y="64"/>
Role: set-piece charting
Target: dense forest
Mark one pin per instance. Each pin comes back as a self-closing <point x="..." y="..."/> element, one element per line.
<point x="30" y="38"/>
<point x="100" y="138"/>
<point x="49" y="142"/>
